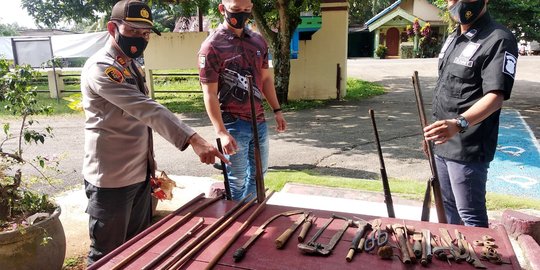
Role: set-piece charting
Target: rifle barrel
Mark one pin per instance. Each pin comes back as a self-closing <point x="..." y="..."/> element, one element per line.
<point x="386" y="186"/>
<point x="224" y="171"/>
<point x="433" y="183"/>
<point x="259" y="178"/>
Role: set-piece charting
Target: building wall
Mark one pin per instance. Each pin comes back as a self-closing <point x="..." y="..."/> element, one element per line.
<point x="173" y="50"/>
<point x="426" y="11"/>
<point x="314" y="73"/>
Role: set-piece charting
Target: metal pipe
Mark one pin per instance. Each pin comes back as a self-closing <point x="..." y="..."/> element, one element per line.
<point x="174" y="245"/>
<point x="224" y="171"/>
<point x="164" y="233"/>
<point x="221" y="228"/>
<point x="239" y="232"/>
<point x="386" y="187"/>
<point x="203" y="235"/>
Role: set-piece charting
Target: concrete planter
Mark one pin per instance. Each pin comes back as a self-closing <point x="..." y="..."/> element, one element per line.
<point x="24" y="249"/>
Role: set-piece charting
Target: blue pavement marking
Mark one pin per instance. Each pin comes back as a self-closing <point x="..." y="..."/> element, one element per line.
<point x="516" y="167"/>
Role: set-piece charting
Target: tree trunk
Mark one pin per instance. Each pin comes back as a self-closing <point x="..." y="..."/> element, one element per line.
<point x="282" y="69"/>
<point x="282" y="52"/>
<point x="5" y="209"/>
<point x="280" y="42"/>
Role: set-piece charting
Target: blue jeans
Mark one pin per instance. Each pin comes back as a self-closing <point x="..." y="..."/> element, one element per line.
<point x="463" y="188"/>
<point x="242" y="170"/>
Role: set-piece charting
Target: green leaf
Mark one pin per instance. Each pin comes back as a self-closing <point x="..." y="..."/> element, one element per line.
<point x="6" y="128"/>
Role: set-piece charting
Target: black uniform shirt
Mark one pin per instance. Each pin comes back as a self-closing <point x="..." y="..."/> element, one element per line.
<point x="472" y="64"/>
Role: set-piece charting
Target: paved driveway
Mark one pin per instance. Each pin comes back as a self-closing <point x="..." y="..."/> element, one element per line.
<point x="334" y="140"/>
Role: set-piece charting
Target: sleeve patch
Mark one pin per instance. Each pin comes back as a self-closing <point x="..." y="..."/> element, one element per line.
<point x="509" y="65"/>
<point x="202" y="61"/>
<point x="114" y="74"/>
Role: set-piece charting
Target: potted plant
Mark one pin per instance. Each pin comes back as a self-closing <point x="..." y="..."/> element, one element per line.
<point x="31" y="235"/>
<point x="381" y="51"/>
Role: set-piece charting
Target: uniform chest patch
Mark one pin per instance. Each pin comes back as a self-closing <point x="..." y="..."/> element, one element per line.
<point x="121" y="60"/>
<point x="202" y="61"/>
<point x="469" y="50"/>
<point x="509" y="65"/>
<point x="114" y="74"/>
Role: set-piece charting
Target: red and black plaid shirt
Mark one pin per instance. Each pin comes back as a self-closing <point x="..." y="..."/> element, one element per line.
<point x="226" y="59"/>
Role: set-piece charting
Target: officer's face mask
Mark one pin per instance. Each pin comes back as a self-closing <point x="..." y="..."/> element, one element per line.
<point x="466" y="12"/>
<point x="237" y="19"/>
<point x="132" y="47"/>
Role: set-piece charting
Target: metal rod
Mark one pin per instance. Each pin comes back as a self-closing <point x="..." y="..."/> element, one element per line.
<point x="259" y="178"/>
<point x="386" y="186"/>
<point x="203" y="235"/>
<point x="338" y="81"/>
<point x="221" y="228"/>
<point x="174" y="245"/>
<point x="240" y="231"/>
<point x="434" y="181"/>
<point x="224" y="171"/>
<point x="164" y="233"/>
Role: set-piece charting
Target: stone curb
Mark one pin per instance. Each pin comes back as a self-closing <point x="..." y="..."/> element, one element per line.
<point x="518" y="223"/>
<point x="526" y="230"/>
<point x="530" y="249"/>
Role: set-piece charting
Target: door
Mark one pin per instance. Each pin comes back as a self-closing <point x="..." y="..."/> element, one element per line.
<point x="392" y="41"/>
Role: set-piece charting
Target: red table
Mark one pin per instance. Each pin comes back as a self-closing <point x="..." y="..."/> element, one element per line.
<point x="264" y="255"/>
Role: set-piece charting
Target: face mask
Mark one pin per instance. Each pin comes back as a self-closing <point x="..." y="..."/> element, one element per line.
<point x="466" y="13"/>
<point x="133" y="47"/>
<point x="237" y="19"/>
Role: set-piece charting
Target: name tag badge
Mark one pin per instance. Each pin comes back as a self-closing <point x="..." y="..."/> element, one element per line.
<point x="463" y="61"/>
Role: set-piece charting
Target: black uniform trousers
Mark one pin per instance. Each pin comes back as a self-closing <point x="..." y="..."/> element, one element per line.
<point x="116" y="215"/>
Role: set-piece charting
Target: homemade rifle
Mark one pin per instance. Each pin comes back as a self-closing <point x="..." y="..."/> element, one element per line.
<point x="175" y="245"/>
<point x="259" y="178"/>
<point x="384" y="177"/>
<point x="205" y="234"/>
<point x="213" y="235"/>
<point x="164" y="233"/>
<point x="433" y="182"/>
<point x="241" y="252"/>
<point x="224" y="171"/>
<point x="240" y="231"/>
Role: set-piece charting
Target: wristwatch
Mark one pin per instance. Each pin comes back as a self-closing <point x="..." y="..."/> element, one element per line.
<point x="462" y="124"/>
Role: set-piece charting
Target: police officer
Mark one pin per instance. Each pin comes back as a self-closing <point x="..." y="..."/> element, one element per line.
<point x="477" y="65"/>
<point x="118" y="159"/>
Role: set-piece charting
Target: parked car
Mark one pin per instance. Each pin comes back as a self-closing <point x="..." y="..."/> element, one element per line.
<point x="534" y="48"/>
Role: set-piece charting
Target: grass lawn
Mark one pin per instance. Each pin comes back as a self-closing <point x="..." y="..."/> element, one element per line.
<point x="276" y="180"/>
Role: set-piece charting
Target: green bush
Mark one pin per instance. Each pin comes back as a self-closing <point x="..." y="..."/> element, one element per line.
<point x="381" y="51"/>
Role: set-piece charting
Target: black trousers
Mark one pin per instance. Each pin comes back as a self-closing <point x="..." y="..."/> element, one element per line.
<point x="116" y="215"/>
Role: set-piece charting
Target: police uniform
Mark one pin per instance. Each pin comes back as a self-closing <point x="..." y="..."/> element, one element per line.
<point x="118" y="147"/>
<point x="472" y="64"/>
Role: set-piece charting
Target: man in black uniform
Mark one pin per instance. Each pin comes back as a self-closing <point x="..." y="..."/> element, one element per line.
<point x="477" y="65"/>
